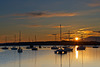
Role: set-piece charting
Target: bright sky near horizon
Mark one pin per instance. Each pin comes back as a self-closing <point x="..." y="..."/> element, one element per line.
<point x="43" y="17"/>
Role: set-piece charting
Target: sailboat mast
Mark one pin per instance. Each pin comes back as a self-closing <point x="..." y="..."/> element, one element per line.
<point x="60" y="33"/>
<point x="35" y="38"/>
<point x="20" y="36"/>
<point x="15" y="38"/>
<point x="5" y="39"/>
<point x="69" y="34"/>
<point x="29" y="38"/>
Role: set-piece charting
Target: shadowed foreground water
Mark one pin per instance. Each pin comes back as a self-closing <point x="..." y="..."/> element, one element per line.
<point x="45" y="57"/>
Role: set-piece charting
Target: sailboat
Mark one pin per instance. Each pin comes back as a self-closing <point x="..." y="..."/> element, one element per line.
<point x="5" y="48"/>
<point x="28" y="47"/>
<point x="14" y="48"/>
<point x="20" y="49"/>
<point x="68" y="49"/>
<point x="54" y="47"/>
<point x="81" y="47"/>
<point x="95" y="46"/>
<point x="34" y="48"/>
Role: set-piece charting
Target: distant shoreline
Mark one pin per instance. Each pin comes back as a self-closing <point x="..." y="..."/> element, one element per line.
<point x="51" y="43"/>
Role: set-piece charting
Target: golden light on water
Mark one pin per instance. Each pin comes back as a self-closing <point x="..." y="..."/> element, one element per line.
<point x="76" y="52"/>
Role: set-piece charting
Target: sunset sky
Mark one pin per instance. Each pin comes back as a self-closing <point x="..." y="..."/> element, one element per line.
<point x="43" y="17"/>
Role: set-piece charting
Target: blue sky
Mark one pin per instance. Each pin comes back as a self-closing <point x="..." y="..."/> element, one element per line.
<point x="42" y="17"/>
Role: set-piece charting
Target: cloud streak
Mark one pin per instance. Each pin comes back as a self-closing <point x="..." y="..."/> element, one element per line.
<point x="33" y="26"/>
<point x="89" y="12"/>
<point x="94" y="4"/>
<point x="45" y="14"/>
<point x="44" y="26"/>
<point x="61" y="26"/>
<point x="87" y="28"/>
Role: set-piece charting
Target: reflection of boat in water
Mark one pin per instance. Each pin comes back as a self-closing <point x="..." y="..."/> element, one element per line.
<point x="19" y="60"/>
<point x="95" y="46"/>
<point x="13" y="48"/>
<point x="81" y="48"/>
<point x="61" y="61"/>
<point x="60" y="51"/>
<point x="20" y="50"/>
<point x="69" y="59"/>
<point x="4" y="48"/>
<point x="54" y="47"/>
<point x="34" y="48"/>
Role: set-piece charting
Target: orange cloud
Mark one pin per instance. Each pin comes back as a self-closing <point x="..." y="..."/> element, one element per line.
<point x="45" y="26"/>
<point x="31" y="26"/>
<point x="23" y="18"/>
<point x="51" y="34"/>
<point x="88" y="28"/>
<point x="61" y="26"/>
<point x="31" y="15"/>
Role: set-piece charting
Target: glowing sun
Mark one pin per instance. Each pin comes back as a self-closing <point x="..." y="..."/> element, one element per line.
<point x="76" y="38"/>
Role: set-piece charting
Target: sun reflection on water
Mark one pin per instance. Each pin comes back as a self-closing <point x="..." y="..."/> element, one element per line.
<point x="76" y="52"/>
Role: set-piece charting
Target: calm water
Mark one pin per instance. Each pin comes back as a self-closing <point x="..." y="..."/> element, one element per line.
<point x="45" y="57"/>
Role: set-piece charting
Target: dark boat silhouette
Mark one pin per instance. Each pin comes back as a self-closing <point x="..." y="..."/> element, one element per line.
<point x="95" y="46"/>
<point x="54" y="47"/>
<point x="28" y="47"/>
<point x="34" y="48"/>
<point x="68" y="49"/>
<point x="13" y="48"/>
<point x="81" y="48"/>
<point x="4" y="48"/>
